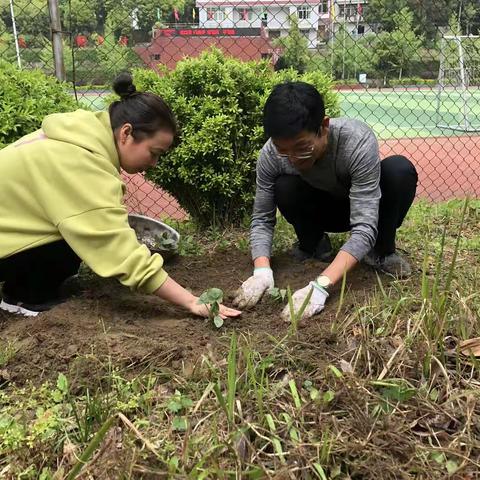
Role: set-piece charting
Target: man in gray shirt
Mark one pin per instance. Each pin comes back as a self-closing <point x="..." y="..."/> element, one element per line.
<point x="324" y="175"/>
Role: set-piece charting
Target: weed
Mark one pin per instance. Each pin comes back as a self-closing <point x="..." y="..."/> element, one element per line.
<point x="8" y="350"/>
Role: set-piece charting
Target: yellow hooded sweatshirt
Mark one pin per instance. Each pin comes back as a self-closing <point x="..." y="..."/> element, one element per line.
<point x="63" y="181"/>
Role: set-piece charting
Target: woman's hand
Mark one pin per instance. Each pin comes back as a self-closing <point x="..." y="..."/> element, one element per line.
<point x="202" y="310"/>
<point x="175" y="293"/>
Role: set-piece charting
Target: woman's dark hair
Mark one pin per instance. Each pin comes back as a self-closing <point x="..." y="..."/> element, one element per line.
<point x="291" y="108"/>
<point x="146" y="112"/>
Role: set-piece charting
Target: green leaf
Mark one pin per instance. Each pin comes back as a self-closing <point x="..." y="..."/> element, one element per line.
<point x="210" y="296"/>
<point x="62" y="383"/>
<point x="320" y="471"/>
<point x="218" y="321"/>
<point x="314" y="394"/>
<point x="434" y="394"/>
<point x="216" y="295"/>
<point x="45" y="474"/>
<point x="335" y="371"/>
<point x="57" y="396"/>
<point x="174" y="405"/>
<point x="335" y="471"/>
<point x="270" y="423"/>
<point x="398" y="393"/>
<point x="186" y="402"/>
<point x="295" y="395"/>
<point x="451" y="466"/>
<point x="307" y="384"/>
<point x="179" y="424"/>
<point x="439" y="457"/>
<point x="255" y="473"/>
<point x="173" y="463"/>
<point x="328" y="396"/>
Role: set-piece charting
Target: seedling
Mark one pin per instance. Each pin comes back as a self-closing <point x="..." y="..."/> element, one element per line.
<point x="278" y="294"/>
<point x="212" y="298"/>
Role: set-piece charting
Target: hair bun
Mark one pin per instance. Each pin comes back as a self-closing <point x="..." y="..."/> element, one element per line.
<point x="123" y="85"/>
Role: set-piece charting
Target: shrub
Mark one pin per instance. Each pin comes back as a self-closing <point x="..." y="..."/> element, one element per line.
<point x="26" y="96"/>
<point x="218" y="102"/>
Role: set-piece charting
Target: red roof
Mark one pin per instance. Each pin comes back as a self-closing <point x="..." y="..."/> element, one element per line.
<point x="169" y="50"/>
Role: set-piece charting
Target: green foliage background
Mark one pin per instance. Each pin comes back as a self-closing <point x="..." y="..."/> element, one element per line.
<point x="218" y="102"/>
<point x="26" y="96"/>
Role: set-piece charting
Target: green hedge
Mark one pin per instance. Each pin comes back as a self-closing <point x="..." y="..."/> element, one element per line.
<point x="26" y="96"/>
<point x="218" y="102"/>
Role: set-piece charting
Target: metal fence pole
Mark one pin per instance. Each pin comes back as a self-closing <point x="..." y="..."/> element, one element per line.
<point x="14" y="25"/>
<point x="57" y="45"/>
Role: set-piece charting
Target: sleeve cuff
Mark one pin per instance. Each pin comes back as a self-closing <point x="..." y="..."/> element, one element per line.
<point x="261" y="251"/>
<point x="155" y="282"/>
<point x="355" y="251"/>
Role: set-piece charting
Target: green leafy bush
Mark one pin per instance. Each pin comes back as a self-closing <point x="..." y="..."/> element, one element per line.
<point x="218" y="102"/>
<point x="25" y="98"/>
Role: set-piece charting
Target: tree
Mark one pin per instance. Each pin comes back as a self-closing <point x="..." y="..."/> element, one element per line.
<point x="31" y="16"/>
<point x="429" y="15"/>
<point x="379" y="13"/>
<point x="350" y="56"/>
<point x="7" y="48"/>
<point x="471" y="13"/>
<point x="295" y="47"/>
<point x="396" y="50"/>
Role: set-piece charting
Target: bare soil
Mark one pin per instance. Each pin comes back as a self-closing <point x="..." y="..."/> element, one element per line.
<point x="108" y="321"/>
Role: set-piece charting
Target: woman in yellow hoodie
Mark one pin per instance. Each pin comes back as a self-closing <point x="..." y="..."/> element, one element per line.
<point x="61" y="203"/>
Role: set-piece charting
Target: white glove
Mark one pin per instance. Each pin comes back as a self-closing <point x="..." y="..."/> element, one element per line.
<point x="315" y="305"/>
<point x="254" y="287"/>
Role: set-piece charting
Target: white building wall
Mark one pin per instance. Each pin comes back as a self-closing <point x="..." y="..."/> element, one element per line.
<point x="230" y="16"/>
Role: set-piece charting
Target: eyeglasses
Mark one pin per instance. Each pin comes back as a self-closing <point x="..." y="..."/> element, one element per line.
<point x="302" y="155"/>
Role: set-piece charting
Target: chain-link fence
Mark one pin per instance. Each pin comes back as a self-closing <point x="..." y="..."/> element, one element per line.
<point x="409" y="69"/>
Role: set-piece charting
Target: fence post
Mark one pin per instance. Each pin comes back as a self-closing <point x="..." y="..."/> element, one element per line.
<point x="57" y="45"/>
<point x="14" y="25"/>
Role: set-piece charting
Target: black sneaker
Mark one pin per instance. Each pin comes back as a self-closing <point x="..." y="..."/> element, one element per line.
<point x="323" y="251"/>
<point x="393" y="264"/>
<point x="18" y="307"/>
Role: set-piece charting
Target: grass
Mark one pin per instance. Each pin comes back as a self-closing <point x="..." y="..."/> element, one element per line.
<point x="396" y="401"/>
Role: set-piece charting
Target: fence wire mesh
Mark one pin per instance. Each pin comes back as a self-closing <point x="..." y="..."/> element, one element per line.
<point x="409" y="69"/>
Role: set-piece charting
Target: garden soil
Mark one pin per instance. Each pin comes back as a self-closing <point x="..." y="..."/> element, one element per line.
<point x="108" y="324"/>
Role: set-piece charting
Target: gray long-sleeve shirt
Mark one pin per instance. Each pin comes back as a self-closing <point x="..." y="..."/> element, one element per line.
<point x="350" y="168"/>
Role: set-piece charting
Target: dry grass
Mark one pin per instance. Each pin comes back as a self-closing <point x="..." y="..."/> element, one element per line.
<point x="396" y="399"/>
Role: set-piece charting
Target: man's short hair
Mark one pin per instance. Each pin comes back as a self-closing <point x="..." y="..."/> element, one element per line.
<point x="291" y="108"/>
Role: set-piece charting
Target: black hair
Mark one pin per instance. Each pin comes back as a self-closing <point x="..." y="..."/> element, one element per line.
<point x="291" y="108"/>
<point x="146" y="112"/>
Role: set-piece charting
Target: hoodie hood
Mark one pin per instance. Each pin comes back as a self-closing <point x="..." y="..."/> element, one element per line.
<point x="89" y="130"/>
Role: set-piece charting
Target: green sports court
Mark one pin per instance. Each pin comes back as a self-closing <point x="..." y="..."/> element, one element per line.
<point x="412" y="113"/>
<point x="392" y="113"/>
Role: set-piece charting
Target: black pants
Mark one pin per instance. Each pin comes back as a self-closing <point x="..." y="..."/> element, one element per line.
<point x="34" y="276"/>
<point x="313" y="212"/>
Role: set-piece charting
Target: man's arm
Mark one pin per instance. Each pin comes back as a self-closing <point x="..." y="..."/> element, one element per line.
<point x="365" y="197"/>
<point x="264" y="210"/>
<point x="364" y="167"/>
<point x="261" y="234"/>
